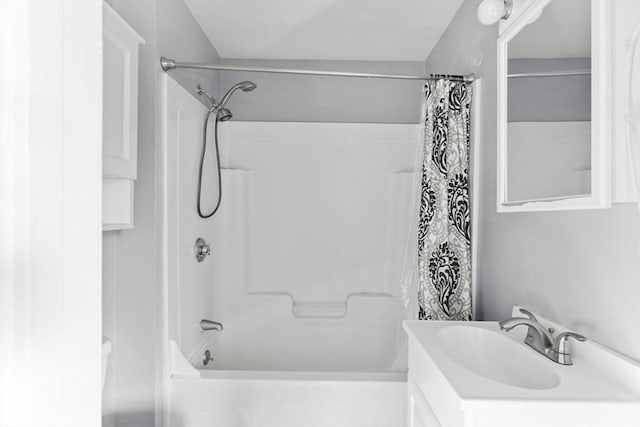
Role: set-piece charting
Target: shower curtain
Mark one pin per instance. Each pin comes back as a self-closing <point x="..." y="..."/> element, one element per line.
<point x="437" y="269"/>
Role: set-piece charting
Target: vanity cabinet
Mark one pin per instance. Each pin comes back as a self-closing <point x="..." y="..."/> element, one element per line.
<point x="419" y="412"/>
<point x="119" y="119"/>
<point x="431" y="400"/>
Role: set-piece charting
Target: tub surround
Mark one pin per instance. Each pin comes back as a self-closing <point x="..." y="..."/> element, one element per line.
<point x="300" y="238"/>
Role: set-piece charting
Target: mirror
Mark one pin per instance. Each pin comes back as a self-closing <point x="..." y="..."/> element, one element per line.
<point x="550" y="138"/>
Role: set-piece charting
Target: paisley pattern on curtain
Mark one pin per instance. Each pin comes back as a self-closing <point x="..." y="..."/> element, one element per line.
<point x="444" y="227"/>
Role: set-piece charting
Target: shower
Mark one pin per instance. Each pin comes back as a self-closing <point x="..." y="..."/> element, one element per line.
<point x="222" y="114"/>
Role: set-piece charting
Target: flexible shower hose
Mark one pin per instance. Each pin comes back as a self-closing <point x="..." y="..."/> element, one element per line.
<point x="204" y="150"/>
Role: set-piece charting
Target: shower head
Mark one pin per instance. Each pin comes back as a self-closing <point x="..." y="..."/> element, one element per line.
<point x="246" y="86"/>
<point x="224" y="114"/>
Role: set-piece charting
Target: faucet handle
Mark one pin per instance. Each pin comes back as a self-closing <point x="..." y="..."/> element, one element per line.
<point x="560" y="351"/>
<point x="528" y="314"/>
<point x="560" y="343"/>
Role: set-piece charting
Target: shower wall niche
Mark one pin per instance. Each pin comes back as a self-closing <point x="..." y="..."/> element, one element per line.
<point x="307" y="246"/>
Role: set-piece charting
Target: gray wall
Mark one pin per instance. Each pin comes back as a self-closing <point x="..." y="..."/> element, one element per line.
<point x="132" y="287"/>
<point x="579" y="268"/>
<point x="298" y="98"/>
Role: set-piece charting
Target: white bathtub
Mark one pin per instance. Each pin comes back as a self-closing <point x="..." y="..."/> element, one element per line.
<point x="288" y="399"/>
<point x="305" y="376"/>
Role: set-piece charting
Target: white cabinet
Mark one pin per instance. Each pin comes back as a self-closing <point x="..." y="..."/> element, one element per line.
<point x="419" y="411"/>
<point x="625" y="84"/>
<point x="120" y="119"/>
<point x="117" y="204"/>
<point x="572" y="170"/>
<point x="618" y="86"/>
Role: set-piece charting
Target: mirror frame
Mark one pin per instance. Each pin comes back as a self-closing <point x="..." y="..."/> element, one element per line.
<point x="600" y="112"/>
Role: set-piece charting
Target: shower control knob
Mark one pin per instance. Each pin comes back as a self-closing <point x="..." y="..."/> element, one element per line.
<point x="202" y="249"/>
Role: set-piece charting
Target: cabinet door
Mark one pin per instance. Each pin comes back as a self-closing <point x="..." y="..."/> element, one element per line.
<point x="419" y="411"/>
<point x="626" y="76"/>
<point x="120" y="96"/>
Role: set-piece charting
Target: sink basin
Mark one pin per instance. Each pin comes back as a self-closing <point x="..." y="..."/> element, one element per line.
<point x="471" y="373"/>
<point x="494" y="356"/>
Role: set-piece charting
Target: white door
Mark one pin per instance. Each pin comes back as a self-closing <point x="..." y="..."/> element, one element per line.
<point x="50" y="225"/>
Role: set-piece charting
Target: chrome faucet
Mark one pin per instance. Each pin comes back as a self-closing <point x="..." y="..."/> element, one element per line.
<point x="541" y="339"/>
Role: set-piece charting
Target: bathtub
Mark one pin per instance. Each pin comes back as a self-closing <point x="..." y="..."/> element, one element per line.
<point x="287" y="399"/>
<point x="244" y="387"/>
<point x="294" y="372"/>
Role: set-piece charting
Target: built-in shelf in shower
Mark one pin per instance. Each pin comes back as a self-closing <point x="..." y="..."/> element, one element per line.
<point x="318" y="310"/>
<point x="325" y="309"/>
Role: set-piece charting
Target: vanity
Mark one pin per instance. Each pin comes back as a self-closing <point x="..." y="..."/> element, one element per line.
<point x="464" y="374"/>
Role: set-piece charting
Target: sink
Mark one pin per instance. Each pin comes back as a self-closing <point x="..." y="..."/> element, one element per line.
<point x="472" y="373"/>
<point x="494" y="356"/>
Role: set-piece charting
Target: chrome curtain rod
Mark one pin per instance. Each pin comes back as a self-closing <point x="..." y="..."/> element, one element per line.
<point x="550" y="74"/>
<point x="170" y="64"/>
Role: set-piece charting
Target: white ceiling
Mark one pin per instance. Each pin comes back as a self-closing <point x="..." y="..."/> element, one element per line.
<point x="386" y="30"/>
<point x="562" y="31"/>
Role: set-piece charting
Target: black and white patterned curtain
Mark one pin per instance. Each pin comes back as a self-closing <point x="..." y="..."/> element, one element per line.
<point x="444" y="223"/>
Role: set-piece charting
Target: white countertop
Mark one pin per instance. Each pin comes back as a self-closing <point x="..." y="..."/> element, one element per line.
<point x="598" y="376"/>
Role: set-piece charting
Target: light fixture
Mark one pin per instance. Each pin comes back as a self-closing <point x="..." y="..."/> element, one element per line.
<point x="491" y="11"/>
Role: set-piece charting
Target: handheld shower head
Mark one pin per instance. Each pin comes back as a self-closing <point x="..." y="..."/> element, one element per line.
<point x="246" y="86"/>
